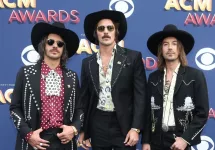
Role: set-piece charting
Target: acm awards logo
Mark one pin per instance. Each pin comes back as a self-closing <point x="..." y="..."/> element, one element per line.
<point x="197" y="19"/>
<point x="205" y="59"/>
<point x="125" y="6"/>
<point x="31" y="15"/>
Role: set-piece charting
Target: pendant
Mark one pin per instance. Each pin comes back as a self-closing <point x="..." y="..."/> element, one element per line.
<point x="164" y="128"/>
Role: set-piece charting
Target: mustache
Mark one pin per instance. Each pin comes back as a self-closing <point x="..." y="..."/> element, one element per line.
<point x="54" y="49"/>
<point x="105" y="36"/>
<point x="170" y="53"/>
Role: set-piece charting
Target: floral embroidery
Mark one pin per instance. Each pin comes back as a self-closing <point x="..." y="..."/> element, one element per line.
<point x="188" y="107"/>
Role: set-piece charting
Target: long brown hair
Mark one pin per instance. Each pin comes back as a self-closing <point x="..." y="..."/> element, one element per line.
<point x="182" y="55"/>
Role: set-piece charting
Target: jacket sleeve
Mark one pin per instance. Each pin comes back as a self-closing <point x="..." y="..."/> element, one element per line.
<point x="201" y="109"/>
<point x="147" y="123"/>
<point x="139" y="92"/>
<point x="16" y="107"/>
<point x="84" y="96"/>
<point x="78" y="113"/>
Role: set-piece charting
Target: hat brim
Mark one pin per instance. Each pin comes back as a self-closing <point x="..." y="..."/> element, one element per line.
<point x="92" y="19"/>
<point x="40" y="30"/>
<point x="184" y="37"/>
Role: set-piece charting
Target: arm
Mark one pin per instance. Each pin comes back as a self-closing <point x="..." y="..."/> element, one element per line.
<point x="78" y="113"/>
<point x="201" y="109"/>
<point x="84" y="96"/>
<point x="139" y="85"/>
<point x="147" y="123"/>
<point x="139" y="92"/>
<point x="16" y="107"/>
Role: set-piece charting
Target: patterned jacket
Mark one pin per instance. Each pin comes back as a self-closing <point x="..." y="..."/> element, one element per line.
<point x="25" y="108"/>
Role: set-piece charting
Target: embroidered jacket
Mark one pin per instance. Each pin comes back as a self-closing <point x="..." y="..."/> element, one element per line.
<point x="190" y="105"/>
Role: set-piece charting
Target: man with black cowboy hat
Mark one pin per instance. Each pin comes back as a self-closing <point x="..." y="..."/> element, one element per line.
<point x="113" y="86"/>
<point x="177" y="93"/>
<point x="44" y="106"/>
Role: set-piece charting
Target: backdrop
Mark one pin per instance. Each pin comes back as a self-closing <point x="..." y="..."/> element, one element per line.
<point x="144" y="17"/>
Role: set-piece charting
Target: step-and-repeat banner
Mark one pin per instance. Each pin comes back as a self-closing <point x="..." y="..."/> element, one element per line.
<point x="17" y="18"/>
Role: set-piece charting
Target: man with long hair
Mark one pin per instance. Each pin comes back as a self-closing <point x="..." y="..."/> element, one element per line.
<point x="44" y="106"/>
<point x="113" y="86"/>
<point x="177" y="93"/>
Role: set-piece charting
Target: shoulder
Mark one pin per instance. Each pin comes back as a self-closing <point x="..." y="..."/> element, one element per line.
<point x="134" y="53"/>
<point x="190" y="71"/>
<point x="69" y="72"/>
<point x="155" y="74"/>
<point x="193" y="71"/>
<point x="31" y="69"/>
<point x="89" y="58"/>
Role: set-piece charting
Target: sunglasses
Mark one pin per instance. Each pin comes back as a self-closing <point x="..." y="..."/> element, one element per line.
<point x="50" y="42"/>
<point x="102" y="28"/>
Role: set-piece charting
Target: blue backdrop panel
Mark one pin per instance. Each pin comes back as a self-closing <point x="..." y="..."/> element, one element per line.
<point x="17" y="18"/>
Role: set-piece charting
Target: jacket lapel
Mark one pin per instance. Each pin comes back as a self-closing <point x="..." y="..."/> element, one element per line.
<point x="179" y="79"/>
<point x="33" y="79"/>
<point x="118" y="63"/>
<point x="69" y="84"/>
<point x="94" y="73"/>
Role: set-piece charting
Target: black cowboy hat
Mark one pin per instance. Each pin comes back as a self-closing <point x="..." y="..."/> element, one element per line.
<point x="170" y="31"/>
<point x="92" y="19"/>
<point x="44" y="29"/>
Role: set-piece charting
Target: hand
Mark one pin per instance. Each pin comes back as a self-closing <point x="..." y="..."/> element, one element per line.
<point x="132" y="138"/>
<point x="36" y="142"/>
<point x="66" y="135"/>
<point x="146" y="147"/>
<point x="84" y="144"/>
<point x="179" y="144"/>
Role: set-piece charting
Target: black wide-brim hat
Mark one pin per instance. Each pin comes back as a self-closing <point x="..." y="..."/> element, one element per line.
<point x="170" y="31"/>
<point x="40" y="30"/>
<point x="92" y="20"/>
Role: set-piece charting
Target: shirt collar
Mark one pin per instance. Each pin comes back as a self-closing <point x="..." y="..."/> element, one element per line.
<point x="46" y="69"/>
<point x="176" y="69"/>
<point x="113" y="51"/>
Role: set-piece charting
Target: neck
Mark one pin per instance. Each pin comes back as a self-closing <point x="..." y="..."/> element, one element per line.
<point x="52" y="63"/>
<point x="171" y="66"/>
<point x="106" y="50"/>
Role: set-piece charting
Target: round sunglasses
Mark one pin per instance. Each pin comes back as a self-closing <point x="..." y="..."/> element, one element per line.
<point x="60" y="44"/>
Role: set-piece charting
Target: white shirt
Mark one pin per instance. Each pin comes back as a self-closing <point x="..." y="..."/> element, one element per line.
<point x="168" y="93"/>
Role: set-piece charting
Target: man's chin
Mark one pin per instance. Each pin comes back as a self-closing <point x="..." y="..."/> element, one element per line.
<point x="54" y="58"/>
<point x="170" y="59"/>
<point x="106" y="43"/>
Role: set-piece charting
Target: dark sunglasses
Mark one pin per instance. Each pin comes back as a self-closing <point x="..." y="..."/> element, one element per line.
<point x="102" y="28"/>
<point x="50" y="42"/>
